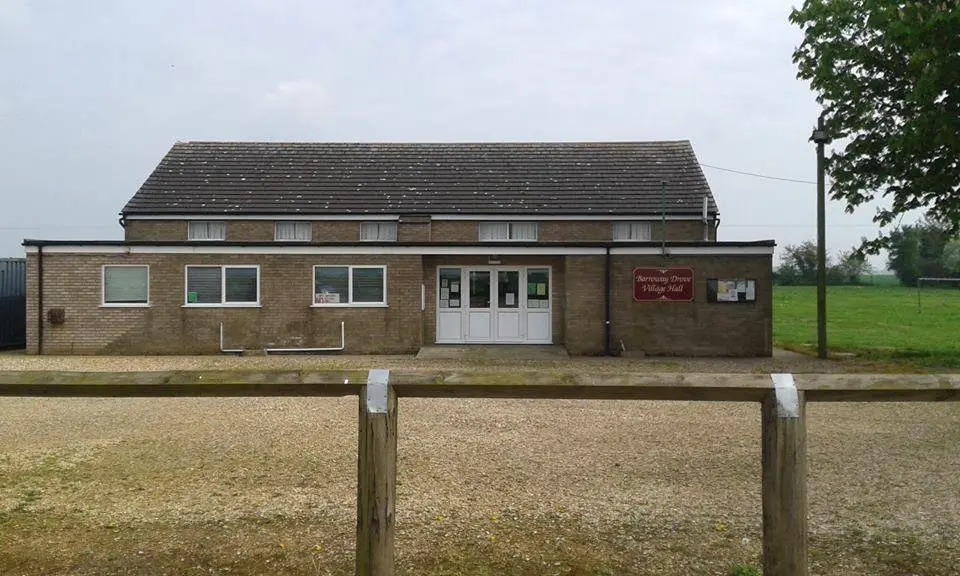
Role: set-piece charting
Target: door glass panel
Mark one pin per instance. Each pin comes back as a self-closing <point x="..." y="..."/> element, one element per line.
<point x="479" y="288"/>
<point x="448" y="295"/>
<point x="508" y="288"/>
<point x="538" y="288"/>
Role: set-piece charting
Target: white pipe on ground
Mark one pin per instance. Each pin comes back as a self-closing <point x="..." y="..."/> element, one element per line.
<point x="343" y="343"/>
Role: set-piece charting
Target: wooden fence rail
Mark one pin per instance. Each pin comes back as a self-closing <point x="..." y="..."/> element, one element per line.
<point x="782" y="398"/>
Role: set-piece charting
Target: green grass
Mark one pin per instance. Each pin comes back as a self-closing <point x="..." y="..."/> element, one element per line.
<point x="876" y="322"/>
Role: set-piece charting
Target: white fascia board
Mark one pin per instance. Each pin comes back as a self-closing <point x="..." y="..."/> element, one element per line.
<point x="695" y="250"/>
<point x="493" y="249"/>
<point x="394" y="217"/>
<point x="276" y="217"/>
<point x="564" y="217"/>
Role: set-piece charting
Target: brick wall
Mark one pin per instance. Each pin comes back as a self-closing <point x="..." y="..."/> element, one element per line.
<point x="258" y="230"/>
<point x="584" y="307"/>
<point x="695" y="328"/>
<point x="286" y="319"/>
<point x="412" y="229"/>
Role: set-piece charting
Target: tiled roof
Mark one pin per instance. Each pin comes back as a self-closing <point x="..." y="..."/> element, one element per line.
<point x="263" y="178"/>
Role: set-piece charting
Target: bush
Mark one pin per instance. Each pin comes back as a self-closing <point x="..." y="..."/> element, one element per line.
<point x="744" y="570"/>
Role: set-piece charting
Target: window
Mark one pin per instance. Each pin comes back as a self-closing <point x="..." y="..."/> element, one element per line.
<point x="538" y="288"/>
<point x="631" y="231"/>
<point x="349" y="285"/>
<point x="206" y="230"/>
<point x="126" y="285"/>
<point x="293" y="231"/>
<point x="378" y="231"/>
<point x="223" y="286"/>
<point x="505" y="231"/>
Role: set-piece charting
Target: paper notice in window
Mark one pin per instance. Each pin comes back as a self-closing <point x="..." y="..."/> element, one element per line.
<point x="741" y="286"/>
<point x="510" y="299"/>
<point x="444" y="293"/>
<point x="751" y="290"/>
<point x="444" y="303"/>
<point x="455" y="303"/>
<point x="443" y="282"/>
<point x="727" y="291"/>
<point x="541" y="289"/>
<point x="192" y="297"/>
<point x="455" y="287"/>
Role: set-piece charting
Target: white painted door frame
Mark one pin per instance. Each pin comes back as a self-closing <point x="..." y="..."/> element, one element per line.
<point x="534" y="325"/>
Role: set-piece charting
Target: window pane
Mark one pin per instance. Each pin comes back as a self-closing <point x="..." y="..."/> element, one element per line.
<point x="508" y="288"/>
<point x="479" y="289"/>
<point x="387" y="231"/>
<point x="125" y="285"/>
<point x="206" y="230"/>
<point x="368" y="285"/>
<point x="241" y="284"/>
<point x="538" y="288"/>
<point x="621" y="231"/>
<point x="523" y="231"/>
<point x="449" y="292"/>
<point x="494" y="230"/>
<point x="330" y="285"/>
<point x="203" y="285"/>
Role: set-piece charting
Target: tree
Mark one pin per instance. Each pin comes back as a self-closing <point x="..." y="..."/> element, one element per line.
<point x="920" y="250"/>
<point x="851" y="267"/>
<point x="798" y="266"/>
<point x="888" y="76"/>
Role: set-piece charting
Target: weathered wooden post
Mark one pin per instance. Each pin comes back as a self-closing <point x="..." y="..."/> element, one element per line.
<point x="784" y="448"/>
<point x="376" y="475"/>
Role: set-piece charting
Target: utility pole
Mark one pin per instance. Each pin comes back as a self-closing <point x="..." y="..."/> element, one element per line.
<point x="820" y="138"/>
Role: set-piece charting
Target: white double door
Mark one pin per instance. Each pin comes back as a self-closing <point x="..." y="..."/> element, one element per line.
<point x="497" y="304"/>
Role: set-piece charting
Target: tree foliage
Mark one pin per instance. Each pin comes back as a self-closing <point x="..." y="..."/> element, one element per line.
<point x="923" y="250"/>
<point x="887" y="73"/>
<point x="798" y="266"/>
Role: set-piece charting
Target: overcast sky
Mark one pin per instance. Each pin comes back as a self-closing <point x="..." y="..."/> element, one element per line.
<point x="92" y="94"/>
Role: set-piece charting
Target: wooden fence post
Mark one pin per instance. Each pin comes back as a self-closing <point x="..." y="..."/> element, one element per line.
<point x="376" y="475"/>
<point x="784" y="492"/>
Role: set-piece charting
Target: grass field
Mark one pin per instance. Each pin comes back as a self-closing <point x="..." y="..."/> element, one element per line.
<point x="878" y="322"/>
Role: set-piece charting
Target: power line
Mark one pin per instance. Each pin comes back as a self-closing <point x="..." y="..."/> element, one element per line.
<point x="755" y="175"/>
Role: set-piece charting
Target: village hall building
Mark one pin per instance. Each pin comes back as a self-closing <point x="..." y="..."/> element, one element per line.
<point x="602" y="248"/>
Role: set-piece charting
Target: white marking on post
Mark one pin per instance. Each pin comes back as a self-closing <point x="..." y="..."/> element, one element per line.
<point x="788" y="402"/>
<point x="377" y="384"/>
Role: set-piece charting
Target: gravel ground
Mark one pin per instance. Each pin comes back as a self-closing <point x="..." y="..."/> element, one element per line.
<point x="253" y="486"/>
<point x="788" y="363"/>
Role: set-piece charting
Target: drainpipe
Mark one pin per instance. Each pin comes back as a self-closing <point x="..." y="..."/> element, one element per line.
<point x="606" y="313"/>
<point x="39" y="299"/>
<point x="706" y="222"/>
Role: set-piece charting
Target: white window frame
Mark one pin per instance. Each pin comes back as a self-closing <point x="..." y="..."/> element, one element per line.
<point x="351" y="304"/>
<point x="647" y="223"/>
<point x="380" y="225"/>
<point x="103" y="287"/>
<point x="510" y="234"/>
<point x="223" y="287"/>
<point x="191" y="223"/>
<point x="297" y="224"/>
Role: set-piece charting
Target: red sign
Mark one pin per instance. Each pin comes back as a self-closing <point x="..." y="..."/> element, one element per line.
<point x="663" y="284"/>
